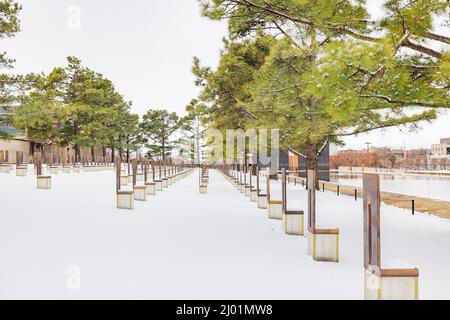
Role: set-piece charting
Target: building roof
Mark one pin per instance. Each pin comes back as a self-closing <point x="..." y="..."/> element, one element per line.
<point x="5" y="124"/>
<point x="14" y="133"/>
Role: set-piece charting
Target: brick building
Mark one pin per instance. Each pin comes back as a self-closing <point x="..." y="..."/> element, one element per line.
<point x="439" y="159"/>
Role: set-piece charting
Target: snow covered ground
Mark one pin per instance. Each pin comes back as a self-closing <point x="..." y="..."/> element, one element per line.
<point x="414" y="185"/>
<point x="183" y="245"/>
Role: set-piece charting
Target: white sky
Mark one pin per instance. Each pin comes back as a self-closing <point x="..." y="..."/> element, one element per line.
<point x="146" y="48"/>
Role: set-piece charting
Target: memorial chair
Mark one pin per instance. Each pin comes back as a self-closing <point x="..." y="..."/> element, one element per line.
<point x="241" y="179"/>
<point x="261" y="197"/>
<point x="140" y="173"/>
<point x="21" y="170"/>
<point x="171" y="175"/>
<point x="76" y="168"/>
<point x="274" y="207"/>
<point x="235" y="176"/>
<point x="125" y="199"/>
<point x="231" y="175"/>
<point x="54" y="169"/>
<point x="323" y="243"/>
<point x="165" y="182"/>
<point x="390" y="280"/>
<point x="203" y="183"/>
<point x="159" y="181"/>
<point x="66" y="168"/>
<point x="247" y="183"/>
<point x="253" y="189"/>
<point x="5" y="168"/>
<point x="43" y="182"/>
<point x="139" y="192"/>
<point x="150" y="185"/>
<point x="293" y="220"/>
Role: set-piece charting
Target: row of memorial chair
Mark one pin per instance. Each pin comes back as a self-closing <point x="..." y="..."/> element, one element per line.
<point x="44" y="181"/>
<point x="203" y="180"/>
<point x="138" y="185"/>
<point x="390" y="281"/>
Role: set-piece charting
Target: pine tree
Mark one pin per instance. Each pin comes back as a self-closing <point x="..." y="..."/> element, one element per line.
<point x="76" y="106"/>
<point x="9" y="84"/>
<point x="158" y="127"/>
<point x="332" y="72"/>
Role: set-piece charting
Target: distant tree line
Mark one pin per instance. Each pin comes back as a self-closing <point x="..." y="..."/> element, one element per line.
<point x="387" y="158"/>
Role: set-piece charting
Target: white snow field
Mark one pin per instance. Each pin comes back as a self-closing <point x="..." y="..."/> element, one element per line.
<point x="183" y="245"/>
<point x="432" y="187"/>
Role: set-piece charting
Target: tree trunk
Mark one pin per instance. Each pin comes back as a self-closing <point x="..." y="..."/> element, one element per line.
<point x="163" y="148"/>
<point x="113" y="153"/>
<point x="311" y="162"/>
<point x="163" y="143"/>
<point x="77" y="146"/>
<point x="32" y="146"/>
<point x="92" y="154"/>
<point x="77" y="153"/>
<point x="43" y="154"/>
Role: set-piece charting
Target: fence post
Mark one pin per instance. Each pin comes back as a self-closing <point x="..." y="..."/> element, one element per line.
<point x="413" y="203"/>
<point x="356" y="194"/>
<point x="338" y="191"/>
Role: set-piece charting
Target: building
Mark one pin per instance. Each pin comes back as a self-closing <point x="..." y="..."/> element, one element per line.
<point x="289" y="161"/>
<point x="354" y="158"/>
<point x="381" y="158"/>
<point x="298" y="164"/>
<point x="439" y="159"/>
<point x="15" y="145"/>
<point x="390" y="158"/>
<point x="416" y="159"/>
<point x="441" y="149"/>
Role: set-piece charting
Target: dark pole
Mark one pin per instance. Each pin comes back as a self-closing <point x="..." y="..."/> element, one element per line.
<point x="118" y="172"/>
<point x="283" y="188"/>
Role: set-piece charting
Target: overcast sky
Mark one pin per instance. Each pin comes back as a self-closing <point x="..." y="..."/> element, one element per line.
<point x="146" y="48"/>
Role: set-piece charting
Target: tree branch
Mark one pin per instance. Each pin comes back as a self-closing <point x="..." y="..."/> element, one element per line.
<point x="297" y="153"/>
<point x="415" y="103"/>
<point x="273" y="11"/>
<point x="322" y="148"/>
<point x="437" y="37"/>
<point x="285" y="33"/>
<point x="422" y="49"/>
